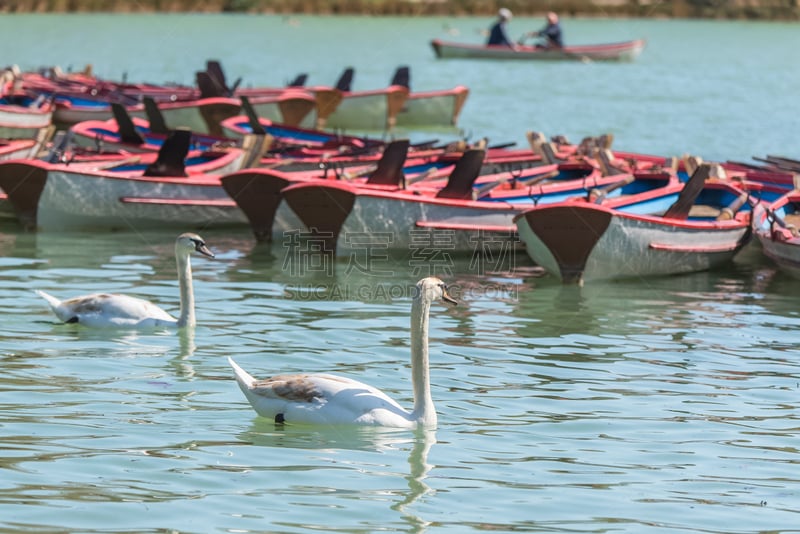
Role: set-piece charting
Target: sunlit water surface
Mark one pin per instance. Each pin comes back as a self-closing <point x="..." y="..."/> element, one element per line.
<point x="657" y="405"/>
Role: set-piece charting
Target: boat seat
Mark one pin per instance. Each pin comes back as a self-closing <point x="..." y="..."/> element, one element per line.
<point x="171" y="159"/>
<point x="208" y="85"/>
<point x="390" y="167"/>
<point x="402" y="77"/>
<point x="214" y="70"/>
<point x="299" y="80"/>
<point x="154" y="116"/>
<point x="793" y="219"/>
<point x="704" y="211"/>
<point x="466" y="171"/>
<point x="125" y="128"/>
<point x="345" y="80"/>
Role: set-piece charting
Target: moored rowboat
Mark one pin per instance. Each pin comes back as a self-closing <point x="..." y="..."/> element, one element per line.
<point x="581" y="241"/>
<point x="142" y="191"/>
<point x="776" y="227"/>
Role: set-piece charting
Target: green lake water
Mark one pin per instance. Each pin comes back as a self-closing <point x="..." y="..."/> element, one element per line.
<point x="655" y="405"/>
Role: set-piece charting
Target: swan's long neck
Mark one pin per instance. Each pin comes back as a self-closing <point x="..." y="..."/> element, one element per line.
<point x="424" y="411"/>
<point x="186" y="317"/>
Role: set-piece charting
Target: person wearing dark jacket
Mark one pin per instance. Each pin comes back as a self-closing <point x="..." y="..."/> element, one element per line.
<point x="551" y="32"/>
<point x="498" y="35"/>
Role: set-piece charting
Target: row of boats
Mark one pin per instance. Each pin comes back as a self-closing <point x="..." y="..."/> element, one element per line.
<point x="582" y="211"/>
<point x="34" y="100"/>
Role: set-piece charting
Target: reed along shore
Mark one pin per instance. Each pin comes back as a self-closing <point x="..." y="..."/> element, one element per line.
<point x="715" y="9"/>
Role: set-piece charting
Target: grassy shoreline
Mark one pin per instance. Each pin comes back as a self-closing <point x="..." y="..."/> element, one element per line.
<point x="718" y="9"/>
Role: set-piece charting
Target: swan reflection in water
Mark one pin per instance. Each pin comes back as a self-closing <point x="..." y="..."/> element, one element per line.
<point x="418" y="443"/>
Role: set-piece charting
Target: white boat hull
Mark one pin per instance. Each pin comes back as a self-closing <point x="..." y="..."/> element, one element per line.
<point x="352" y="217"/>
<point x="54" y="198"/>
<point x="73" y="200"/>
<point x="600" y="244"/>
<point x="18" y="122"/>
<point x="435" y="109"/>
<point x="374" y="110"/>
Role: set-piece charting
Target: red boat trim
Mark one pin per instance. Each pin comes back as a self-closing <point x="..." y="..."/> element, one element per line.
<point x="439" y="225"/>
<point x="425" y="196"/>
<point x="219" y="202"/>
<point x="680" y="248"/>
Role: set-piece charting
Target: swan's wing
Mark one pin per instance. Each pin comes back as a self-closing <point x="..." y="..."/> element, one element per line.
<point x="328" y="399"/>
<point x="105" y="309"/>
<point x="319" y="399"/>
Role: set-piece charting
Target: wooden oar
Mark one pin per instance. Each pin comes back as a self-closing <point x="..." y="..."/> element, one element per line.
<point x="43" y="136"/>
<point x="114" y="163"/>
<point x="539" y="145"/>
<point x="364" y="171"/>
<point x="424" y="175"/>
<point x="681" y="207"/>
<point x="606" y="160"/>
<point x="503" y="145"/>
<point x="691" y="163"/>
<point x="252" y="116"/>
<point x="483" y="190"/>
<point x="781" y="162"/>
<point x="599" y="194"/>
<point x="255" y="146"/>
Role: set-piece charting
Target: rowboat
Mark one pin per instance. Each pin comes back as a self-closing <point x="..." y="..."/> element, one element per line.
<point x="257" y="191"/>
<point x="17" y="148"/>
<point x="398" y="167"/>
<point x="134" y="134"/>
<point x="471" y="212"/>
<point x="143" y="191"/>
<point x="775" y="170"/>
<point x="11" y="149"/>
<point x="287" y="137"/>
<point x="200" y="109"/>
<point x="393" y="106"/>
<point x="621" y="51"/>
<point x="201" y="115"/>
<point x="705" y="226"/>
<point x="776" y="226"/>
<point x="22" y="114"/>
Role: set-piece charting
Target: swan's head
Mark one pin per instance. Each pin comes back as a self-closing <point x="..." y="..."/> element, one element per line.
<point x="432" y="289"/>
<point x="189" y="242"/>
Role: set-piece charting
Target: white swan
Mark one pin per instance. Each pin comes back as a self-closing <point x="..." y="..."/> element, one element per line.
<point x="106" y="310"/>
<point x="331" y="399"/>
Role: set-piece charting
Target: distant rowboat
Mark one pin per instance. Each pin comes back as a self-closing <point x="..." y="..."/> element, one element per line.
<point x="621" y="51"/>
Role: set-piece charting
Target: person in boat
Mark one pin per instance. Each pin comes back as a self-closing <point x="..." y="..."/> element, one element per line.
<point x="498" y="36"/>
<point x="551" y="33"/>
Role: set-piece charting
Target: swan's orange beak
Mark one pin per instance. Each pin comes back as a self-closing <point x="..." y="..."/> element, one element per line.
<point x="204" y="250"/>
<point x="447" y="298"/>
